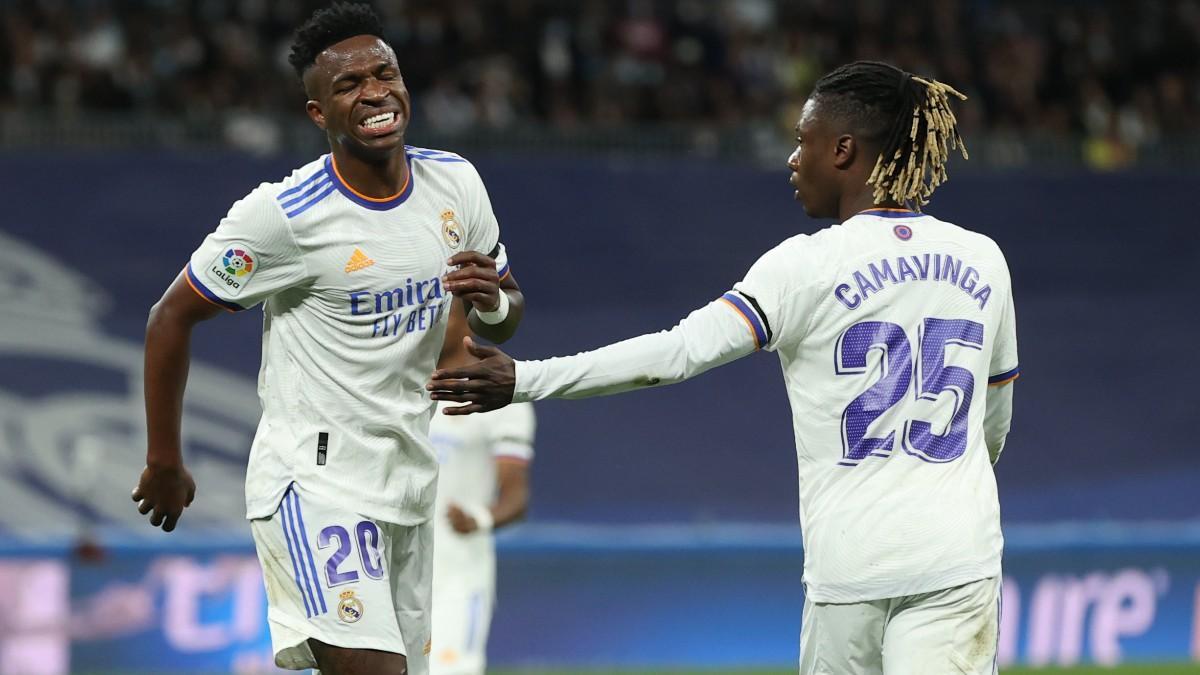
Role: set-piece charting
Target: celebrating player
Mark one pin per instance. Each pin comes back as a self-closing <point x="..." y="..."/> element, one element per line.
<point x="357" y="257"/>
<point x="889" y="328"/>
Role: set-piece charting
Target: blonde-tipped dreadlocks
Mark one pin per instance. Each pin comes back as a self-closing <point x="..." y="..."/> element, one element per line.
<point x="911" y="119"/>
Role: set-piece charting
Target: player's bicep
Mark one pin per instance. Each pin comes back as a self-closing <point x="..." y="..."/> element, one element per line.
<point x="1004" y="365"/>
<point x="512" y="476"/>
<point x="457" y="328"/>
<point x="750" y="312"/>
<point x="717" y="334"/>
<point x="183" y="302"/>
<point x="483" y="230"/>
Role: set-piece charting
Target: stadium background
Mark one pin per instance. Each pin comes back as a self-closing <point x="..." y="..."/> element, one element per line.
<point x="634" y="152"/>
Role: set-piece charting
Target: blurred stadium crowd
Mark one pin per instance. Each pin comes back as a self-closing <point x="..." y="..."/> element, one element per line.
<point x="1124" y="75"/>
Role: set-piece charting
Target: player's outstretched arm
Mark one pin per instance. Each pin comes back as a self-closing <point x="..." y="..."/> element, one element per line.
<point x="495" y="305"/>
<point x="710" y="336"/>
<point x="165" y="487"/>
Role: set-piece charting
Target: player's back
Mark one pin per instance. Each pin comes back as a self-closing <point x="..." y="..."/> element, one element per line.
<point x="888" y="327"/>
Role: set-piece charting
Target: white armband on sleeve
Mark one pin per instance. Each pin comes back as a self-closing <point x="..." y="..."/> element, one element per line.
<point x="709" y="337"/>
<point x="997" y="418"/>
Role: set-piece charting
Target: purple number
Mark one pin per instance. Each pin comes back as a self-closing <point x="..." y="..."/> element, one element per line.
<point x="372" y="559"/>
<point x="895" y="376"/>
<point x="936" y="377"/>
<point x="332" y="575"/>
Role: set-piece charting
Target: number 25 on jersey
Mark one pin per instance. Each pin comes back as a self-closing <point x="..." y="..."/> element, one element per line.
<point x="892" y="387"/>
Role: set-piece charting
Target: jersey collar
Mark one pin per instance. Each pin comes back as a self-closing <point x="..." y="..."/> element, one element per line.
<point x="891" y="213"/>
<point x="359" y="198"/>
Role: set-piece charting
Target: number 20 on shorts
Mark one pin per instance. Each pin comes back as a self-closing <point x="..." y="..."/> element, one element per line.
<point x="895" y="381"/>
<point x="366" y="536"/>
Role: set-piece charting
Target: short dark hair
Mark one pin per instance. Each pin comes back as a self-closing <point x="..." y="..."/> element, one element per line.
<point x="908" y="117"/>
<point x="330" y="26"/>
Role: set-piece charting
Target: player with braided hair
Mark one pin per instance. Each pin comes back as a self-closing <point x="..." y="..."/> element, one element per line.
<point x="908" y="117"/>
<point x="897" y="337"/>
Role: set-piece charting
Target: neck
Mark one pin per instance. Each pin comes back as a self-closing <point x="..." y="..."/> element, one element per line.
<point x="863" y="201"/>
<point x="378" y="179"/>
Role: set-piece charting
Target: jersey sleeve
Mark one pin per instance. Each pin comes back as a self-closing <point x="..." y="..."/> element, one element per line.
<point x="510" y="432"/>
<point x="1004" y="366"/>
<point x="251" y="256"/>
<point x="483" y="231"/>
<point x="501" y="256"/>
<point x="773" y="299"/>
<point x="709" y="337"/>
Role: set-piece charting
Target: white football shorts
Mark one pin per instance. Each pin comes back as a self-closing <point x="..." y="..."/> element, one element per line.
<point x="345" y="580"/>
<point x="949" y="632"/>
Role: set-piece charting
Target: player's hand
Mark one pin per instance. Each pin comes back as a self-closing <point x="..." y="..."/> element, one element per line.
<point x="475" y="281"/>
<point x="485" y="385"/>
<point x="166" y="492"/>
<point x="460" y="521"/>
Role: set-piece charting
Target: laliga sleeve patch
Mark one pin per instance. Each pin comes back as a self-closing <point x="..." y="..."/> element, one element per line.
<point x="233" y="269"/>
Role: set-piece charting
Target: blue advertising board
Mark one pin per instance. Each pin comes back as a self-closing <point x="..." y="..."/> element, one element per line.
<point x="596" y="597"/>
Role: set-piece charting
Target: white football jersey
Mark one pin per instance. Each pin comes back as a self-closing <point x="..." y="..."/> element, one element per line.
<point x="468" y="448"/>
<point x="354" y="316"/>
<point x="889" y="328"/>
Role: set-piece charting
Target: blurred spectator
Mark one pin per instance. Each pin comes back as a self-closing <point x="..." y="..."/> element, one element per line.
<point x="1120" y="75"/>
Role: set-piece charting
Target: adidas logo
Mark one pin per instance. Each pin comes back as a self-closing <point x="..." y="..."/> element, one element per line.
<point x="358" y="261"/>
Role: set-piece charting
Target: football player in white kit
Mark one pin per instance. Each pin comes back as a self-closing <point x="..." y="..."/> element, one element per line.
<point x="358" y="258"/>
<point x="897" y="339"/>
<point x="483" y="485"/>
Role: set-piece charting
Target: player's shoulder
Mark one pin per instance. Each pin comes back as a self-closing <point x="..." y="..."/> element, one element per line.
<point x="443" y="167"/>
<point x="302" y="189"/>
<point x="512" y="415"/>
<point x="443" y="163"/>
<point x="273" y="203"/>
<point x="797" y="249"/>
<point x="433" y="156"/>
<point x="514" y="423"/>
<point x="971" y="239"/>
<point x="522" y="412"/>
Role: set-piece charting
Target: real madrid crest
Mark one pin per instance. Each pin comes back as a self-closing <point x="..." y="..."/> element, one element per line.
<point x="350" y="609"/>
<point x="451" y="230"/>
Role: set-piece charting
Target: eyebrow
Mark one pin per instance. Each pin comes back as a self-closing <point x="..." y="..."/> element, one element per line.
<point x="354" y="75"/>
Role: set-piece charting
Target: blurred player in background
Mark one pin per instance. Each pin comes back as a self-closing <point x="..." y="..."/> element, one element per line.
<point x="483" y="485"/>
<point x="357" y="257"/>
<point x="890" y="328"/>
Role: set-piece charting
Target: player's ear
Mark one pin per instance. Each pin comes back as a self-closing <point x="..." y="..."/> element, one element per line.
<point x="313" y="108"/>
<point x="844" y="150"/>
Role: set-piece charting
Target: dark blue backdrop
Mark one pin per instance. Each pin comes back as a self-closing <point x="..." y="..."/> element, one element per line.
<point x="605" y="250"/>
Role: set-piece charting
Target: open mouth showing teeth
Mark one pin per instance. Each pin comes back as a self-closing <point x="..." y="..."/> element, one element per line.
<point x="378" y="121"/>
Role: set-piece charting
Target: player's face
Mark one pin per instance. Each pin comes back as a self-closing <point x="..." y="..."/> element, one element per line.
<point x="811" y="165"/>
<point x="359" y="97"/>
